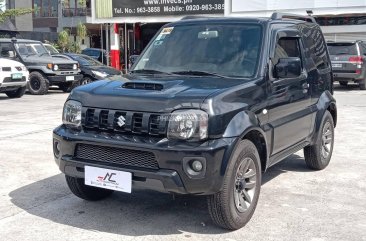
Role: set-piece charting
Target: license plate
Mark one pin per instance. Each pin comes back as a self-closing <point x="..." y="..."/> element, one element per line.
<point x="108" y="179"/>
<point x="70" y="78"/>
<point x="17" y="76"/>
<point x="337" y="65"/>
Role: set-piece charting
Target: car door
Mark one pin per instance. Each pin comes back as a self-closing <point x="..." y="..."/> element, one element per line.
<point x="289" y="99"/>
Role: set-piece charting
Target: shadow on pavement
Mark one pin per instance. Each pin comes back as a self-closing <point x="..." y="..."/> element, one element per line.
<point x="349" y="87"/>
<point x="141" y="213"/>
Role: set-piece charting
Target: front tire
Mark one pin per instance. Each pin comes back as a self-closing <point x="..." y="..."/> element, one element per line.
<point x="79" y="189"/>
<point x="234" y="205"/>
<point x="38" y="84"/>
<point x="85" y="81"/>
<point x="16" y="93"/>
<point x="66" y="87"/>
<point x="318" y="156"/>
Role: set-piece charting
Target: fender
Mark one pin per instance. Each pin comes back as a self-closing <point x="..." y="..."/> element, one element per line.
<point x="239" y="126"/>
<point x="325" y="101"/>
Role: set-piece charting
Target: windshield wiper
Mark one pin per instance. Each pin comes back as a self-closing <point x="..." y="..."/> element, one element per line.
<point x="198" y="73"/>
<point x="149" y="71"/>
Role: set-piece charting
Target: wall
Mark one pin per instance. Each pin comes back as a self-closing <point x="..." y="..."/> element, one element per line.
<point x="24" y="22"/>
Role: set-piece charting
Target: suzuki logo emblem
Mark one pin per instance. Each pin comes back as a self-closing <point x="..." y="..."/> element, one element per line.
<point x="121" y="121"/>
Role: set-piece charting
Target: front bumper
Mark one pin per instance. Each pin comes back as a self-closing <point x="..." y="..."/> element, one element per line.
<point x="56" y="79"/>
<point x="169" y="177"/>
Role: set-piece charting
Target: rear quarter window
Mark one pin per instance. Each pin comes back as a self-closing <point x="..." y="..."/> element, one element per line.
<point x="315" y="45"/>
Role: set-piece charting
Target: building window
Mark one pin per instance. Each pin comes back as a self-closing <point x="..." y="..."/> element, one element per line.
<point x="45" y="8"/>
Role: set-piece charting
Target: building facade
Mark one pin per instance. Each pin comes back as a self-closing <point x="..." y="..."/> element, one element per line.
<point x="51" y="16"/>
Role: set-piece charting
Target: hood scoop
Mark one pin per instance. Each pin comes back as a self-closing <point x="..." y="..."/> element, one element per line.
<point x="142" y="86"/>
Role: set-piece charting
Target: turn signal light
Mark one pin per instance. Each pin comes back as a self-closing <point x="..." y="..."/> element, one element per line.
<point x="50" y="66"/>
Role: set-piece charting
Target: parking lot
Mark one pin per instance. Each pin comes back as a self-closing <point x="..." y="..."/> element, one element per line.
<point x="295" y="203"/>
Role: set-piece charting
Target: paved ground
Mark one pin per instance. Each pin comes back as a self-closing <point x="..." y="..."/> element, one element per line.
<point x="295" y="203"/>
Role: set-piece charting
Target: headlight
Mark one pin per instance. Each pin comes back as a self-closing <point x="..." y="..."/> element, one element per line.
<point x="72" y="113"/>
<point x="75" y="66"/>
<point x="188" y="125"/>
<point x="21" y="68"/>
<point x="55" y="67"/>
<point x="99" y="74"/>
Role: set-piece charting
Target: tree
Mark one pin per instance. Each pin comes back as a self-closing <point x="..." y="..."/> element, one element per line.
<point x="64" y="40"/>
<point x="8" y="13"/>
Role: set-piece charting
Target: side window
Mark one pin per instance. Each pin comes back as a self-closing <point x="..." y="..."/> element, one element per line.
<point x="315" y="46"/>
<point x="6" y="50"/>
<point x="286" y="47"/>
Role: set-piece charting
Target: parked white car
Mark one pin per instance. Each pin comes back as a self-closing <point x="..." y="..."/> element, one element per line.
<point x="14" y="77"/>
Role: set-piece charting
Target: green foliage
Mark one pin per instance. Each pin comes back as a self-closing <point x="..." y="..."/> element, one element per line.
<point x="81" y="31"/>
<point x="64" y="40"/>
<point x="13" y="13"/>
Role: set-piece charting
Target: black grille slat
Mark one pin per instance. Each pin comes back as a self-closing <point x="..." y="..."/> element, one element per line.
<point x="103" y="119"/>
<point x="65" y="66"/>
<point x="137" y="123"/>
<point x="126" y="157"/>
<point x="123" y="121"/>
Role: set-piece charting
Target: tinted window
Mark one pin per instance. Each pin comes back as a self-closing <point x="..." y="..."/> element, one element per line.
<point x="286" y="47"/>
<point x="342" y="49"/>
<point x="86" y="60"/>
<point x="6" y="50"/>
<point x="224" y="49"/>
<point x="315" y="46"/>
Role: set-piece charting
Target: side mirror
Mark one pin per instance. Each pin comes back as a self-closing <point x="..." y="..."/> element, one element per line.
<point x="133" y="59"/>
<point x="287" y="68"/>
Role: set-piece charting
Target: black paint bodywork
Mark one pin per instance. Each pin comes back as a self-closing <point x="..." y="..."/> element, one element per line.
<point x="281" y="116"/>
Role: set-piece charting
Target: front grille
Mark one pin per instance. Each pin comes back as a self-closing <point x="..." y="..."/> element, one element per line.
<point x="9" y="79"/>
<point x="65" y="66"/>
<point x="128" y="122"/>
<point x="125" y="157"/>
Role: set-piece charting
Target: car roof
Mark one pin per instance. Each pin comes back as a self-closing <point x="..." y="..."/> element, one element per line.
<point x="19" y="40"/>
<point x="207" y="20"/>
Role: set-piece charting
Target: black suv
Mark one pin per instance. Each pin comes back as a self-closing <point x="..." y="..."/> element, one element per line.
<point x="44" y="70"/>
<point x="207" y="108"/>
<point x="348" y="62"/>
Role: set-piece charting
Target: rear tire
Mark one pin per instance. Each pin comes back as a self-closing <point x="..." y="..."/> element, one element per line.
<point x="16" y="93"/>
<point x="363" y="85"/>
<point x="234" y="205"/>
<point x="343" y="83"/>
<point x="318" y="156"/>
<point x="79" y="189"/>
<point x="38" y="84"/>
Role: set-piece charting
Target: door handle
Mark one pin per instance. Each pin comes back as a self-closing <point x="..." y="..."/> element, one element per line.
<point x="305" y="86"/>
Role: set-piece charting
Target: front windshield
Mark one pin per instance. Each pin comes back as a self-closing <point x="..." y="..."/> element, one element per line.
<point x="86" y="60"/>
<point x="222" y="49"/>
<point x="51" y="49"/>
<point x="27" y="49"/>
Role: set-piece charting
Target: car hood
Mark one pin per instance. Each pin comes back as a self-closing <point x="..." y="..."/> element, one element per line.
<point x="47" y="60"/>
<point x="102" y="68"/>
<point x="176" y="92"/>
<point x="9" y="63"/>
